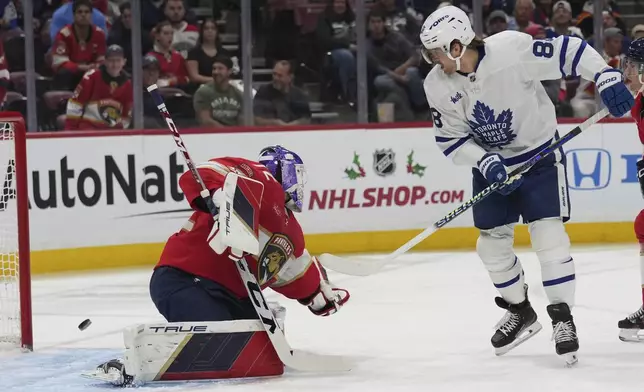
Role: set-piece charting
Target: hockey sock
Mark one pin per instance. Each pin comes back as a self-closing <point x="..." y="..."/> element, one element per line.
<point x="559" y="281"/>
<point x="510" y="282"/>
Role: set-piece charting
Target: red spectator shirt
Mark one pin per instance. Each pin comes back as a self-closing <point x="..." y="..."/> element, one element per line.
<point x="69" y="50"/>
<point x="173" y="71"/>
<point x="283" y="262"/>
<point x="185" y="37"/>
<point x="100" y="102"/>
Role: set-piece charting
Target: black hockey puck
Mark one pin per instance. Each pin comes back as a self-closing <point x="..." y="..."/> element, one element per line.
<point x="83" y="326"/>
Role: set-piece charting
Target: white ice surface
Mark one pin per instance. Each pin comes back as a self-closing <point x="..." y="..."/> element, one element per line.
<point x="422" y="324"/>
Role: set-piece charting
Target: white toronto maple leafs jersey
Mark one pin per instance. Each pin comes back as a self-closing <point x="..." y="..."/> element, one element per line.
<point x="502" y="107"/>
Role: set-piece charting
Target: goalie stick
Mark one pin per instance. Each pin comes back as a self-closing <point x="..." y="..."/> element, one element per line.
<point x="363" y="266"/>
<point x="295" y="359"/>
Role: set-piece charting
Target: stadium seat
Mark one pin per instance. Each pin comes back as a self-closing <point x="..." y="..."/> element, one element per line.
<point x="19" y="81"/>
<point x="178" y="103"/>
<point x="12" y="96"/>
<point x="14" y="52"/>
<point x="55" y="104"/>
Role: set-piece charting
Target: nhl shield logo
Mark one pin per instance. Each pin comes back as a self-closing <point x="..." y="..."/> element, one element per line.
<point x="384" y="162"/>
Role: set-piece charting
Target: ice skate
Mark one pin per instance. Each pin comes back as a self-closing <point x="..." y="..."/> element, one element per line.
<point x="564" y="332"/>
<point x="517" y="325"/>
<point x="112" y="371"/>
<point x="631" y="329"/>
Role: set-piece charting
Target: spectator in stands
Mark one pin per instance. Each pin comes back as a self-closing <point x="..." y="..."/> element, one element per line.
<point x="400" y="19"/>
<point x="218" y="103"/>
<point x="173" y="65"/>
<point x="9" y="16"/>
<point x="4" y="76"/>
<point x="336" y="35"/>
<point x="151" y="68"/>
<point x="65" y="15"/>
<point x="611" y="18"/>
<point x="584" y="103"/>
<point x="561" y="21"/>
<point x="613" y="41"/>
<point x="396" y="64"/>
<point x="202" y="56"/>
<point x="153" y="12"/>
<point x="281" y="103"/>
<point x="637" y="32"/>
<point x="77" y="48"/>
<point x="185" y="34"/>
<point x="523" y="13"/>
<point x="103" y="98"/>
<point x="497" y="22"/>
<point x="542" y="12"/>
<point x="121" y="34"/>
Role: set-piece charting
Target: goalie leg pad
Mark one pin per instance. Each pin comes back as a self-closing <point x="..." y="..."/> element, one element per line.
<point x="552" y="246"/>
<point x="199" y="351"/>
<point x="495" y="248"/>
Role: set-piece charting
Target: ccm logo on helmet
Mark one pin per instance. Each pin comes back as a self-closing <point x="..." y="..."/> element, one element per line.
<point x="614" y="78"/>
<point x="442" y="18"/>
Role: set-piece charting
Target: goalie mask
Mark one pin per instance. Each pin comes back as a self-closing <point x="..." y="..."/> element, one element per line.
<point x="441" y="28"/>
<point x="287" y="168"/>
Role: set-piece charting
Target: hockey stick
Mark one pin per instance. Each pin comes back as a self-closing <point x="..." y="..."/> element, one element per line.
<point x="298" y="360"/>
<point x="363" y="267"/>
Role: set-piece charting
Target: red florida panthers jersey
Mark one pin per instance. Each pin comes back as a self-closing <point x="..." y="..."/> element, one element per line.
<point x="100" y="101"/>
<point x="71" y="50"/>
<point x="636" y="113"/>
<point x="283" y="263"/>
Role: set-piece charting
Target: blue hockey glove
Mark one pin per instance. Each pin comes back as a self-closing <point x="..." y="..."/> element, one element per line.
<point x="493" y="169"/>
<point x="615" y="95"/>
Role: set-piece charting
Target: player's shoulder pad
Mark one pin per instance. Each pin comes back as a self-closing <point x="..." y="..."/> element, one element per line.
<point x="437" y="87"/>
<point x="508" y="39"/>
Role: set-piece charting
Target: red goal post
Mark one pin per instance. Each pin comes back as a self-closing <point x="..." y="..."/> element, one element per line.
<point x="15" y="273"/>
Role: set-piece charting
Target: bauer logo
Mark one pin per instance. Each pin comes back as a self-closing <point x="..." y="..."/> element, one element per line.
<point x="588" y="168"/>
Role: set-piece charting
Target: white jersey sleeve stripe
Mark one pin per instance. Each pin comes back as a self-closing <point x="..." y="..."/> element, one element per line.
<point x="457" y="143"/>
<point x="575" y="61"/>
<point x="562" y="56"/>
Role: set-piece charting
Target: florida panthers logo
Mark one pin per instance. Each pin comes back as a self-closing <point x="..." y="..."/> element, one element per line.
<point x="275" y="254"/>
<point x="492" y="131"/>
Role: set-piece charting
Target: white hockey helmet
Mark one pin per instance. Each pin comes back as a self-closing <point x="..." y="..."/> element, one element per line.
<point x="444" y="26"/>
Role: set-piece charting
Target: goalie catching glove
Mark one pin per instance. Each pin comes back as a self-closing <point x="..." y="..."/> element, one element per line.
<point x="327" y="299"/>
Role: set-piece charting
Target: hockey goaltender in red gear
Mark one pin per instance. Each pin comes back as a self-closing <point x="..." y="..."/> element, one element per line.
<point x="213" y="331"/>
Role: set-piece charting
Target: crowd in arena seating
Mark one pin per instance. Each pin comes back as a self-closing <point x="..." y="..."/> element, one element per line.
<point x="304" y="58"/>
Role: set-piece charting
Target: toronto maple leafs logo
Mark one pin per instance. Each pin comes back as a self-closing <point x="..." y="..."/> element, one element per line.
<point x="492" y="131"/>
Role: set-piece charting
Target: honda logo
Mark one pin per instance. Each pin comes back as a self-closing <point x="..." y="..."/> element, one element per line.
<point x="588" y="168"/>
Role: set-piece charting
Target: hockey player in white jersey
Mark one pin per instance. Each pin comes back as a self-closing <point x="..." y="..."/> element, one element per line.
<point x="491" y="112"/>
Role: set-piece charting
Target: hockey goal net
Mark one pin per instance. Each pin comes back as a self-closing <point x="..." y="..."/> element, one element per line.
<point x="15" y="280"/>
